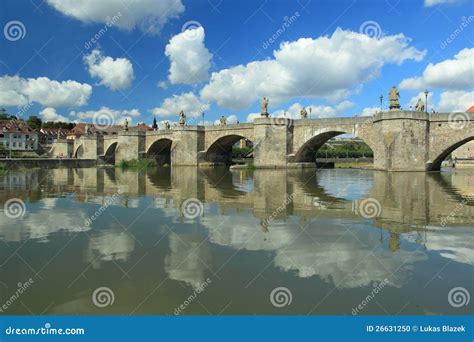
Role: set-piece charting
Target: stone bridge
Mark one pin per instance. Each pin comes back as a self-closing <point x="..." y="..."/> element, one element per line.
<point x="400" y="141"/>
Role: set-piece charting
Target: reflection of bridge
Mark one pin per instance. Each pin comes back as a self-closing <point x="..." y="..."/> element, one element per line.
<point x="406" y="200"/>
<point x="400" y="140"/>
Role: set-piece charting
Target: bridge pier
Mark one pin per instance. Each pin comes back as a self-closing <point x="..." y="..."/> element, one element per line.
<point x="273" y="138"/>
<point x="130" y="145"/>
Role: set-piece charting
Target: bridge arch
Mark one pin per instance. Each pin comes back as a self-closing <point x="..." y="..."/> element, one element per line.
<point x="79" y="152"/>
<point x="307" y="151"/>
<point x="160" y="151"/>
<point x="439" y="153"/>
<point x="110" y="152"/>
<point x="220" y="151"/>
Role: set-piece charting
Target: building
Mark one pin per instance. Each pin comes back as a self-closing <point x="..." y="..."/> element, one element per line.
<point x="48" y="135"/>
<point x="81" y="128"/>
<point x="16" y="135"/>
<point x="463" y="156"/>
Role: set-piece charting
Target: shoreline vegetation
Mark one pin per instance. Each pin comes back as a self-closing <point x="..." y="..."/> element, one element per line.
<point x="3" y="169"/>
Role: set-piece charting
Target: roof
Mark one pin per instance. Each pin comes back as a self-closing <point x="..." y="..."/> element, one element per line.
<point x="15" y="126"/>
<point x="470" y="110"/>
<point x="54" y="131"/>
<point x="80" y="129"/>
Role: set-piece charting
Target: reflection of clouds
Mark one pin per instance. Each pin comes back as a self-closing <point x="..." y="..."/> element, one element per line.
<point x="40" y="224"/>
<point x="451" y="243"/>
<point x="346" y="184"/>
<point x="334" y="254"/>
<point x="188" y="258"/>
<point x="110" y="245"/>
<point x="245" y="232"/>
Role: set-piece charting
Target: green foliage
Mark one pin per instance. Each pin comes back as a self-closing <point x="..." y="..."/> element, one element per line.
<point x="34" y="122"/>
<point x="141" y="164"/>
<point x="250" y="167"/>
<point x="3" y="169"/>
<point x="238" y="152"/>
<point x="345" y="149"/>
<point x="59" y="124"/>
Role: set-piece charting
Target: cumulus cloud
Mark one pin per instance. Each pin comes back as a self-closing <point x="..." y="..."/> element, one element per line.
<point x="113" y="73"/>
<point x="230" y="120"/>
<point x="455" y="101"/>
<point x="192" y="105"/>
<point x="369" y="111"/>
<point x="317" y="111"/>
<point x="430" y="3"/>
<point x="18" y="91"/>
<point x="325" y="67"/>
<point x="190" y="59"/>
<point x="148" y="15"/>
<point x="50" y="114"/>
<point x="453" y="74"/>
<point x="107" y="116"/>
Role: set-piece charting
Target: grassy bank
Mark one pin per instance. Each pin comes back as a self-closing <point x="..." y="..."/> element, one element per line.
<point x="134" y="164"/>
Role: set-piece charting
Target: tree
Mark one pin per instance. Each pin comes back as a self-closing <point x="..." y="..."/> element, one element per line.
<point x="34" y="122"/>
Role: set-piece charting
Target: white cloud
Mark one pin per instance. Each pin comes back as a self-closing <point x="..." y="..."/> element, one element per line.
<point x="230" y="120"/>
<point x="190" y="59"/>
<point x="453" y="73"/>
<point x="369" y="111"/>
<point x="325" y="67"/>
<point x="50" y="114"/>
<point x="107" y="116"/>
<point x="320" y="111"/>
<point x="455" y="101"/>
<point x="192" y="105"/>
<point x="430" y="3"/>
<point x="148" y="15"/>
<point x="113" y="73"/>
<point x="17" y="91"/>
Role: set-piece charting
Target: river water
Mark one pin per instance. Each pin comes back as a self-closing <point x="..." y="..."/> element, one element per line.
<point x="195" y="241"/>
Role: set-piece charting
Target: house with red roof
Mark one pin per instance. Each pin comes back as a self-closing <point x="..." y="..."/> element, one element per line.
<point x="16" y="135"/>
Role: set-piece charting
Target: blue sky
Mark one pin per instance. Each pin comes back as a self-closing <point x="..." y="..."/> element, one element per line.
<point x="415" y="44"/>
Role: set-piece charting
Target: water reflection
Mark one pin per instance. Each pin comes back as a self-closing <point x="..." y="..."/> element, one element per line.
<point x="258" y="230"/>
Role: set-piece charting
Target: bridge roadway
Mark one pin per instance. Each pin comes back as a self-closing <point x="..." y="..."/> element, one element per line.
<point x="400" y="141"/>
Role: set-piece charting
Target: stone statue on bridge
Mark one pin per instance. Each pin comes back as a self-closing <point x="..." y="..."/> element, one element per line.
<point x="264" y="111"/>
<point x="393" y="96"/>
<point x="420" y="107"/>
<point x="125" y="127"/>
<point x="167" y="125"/>
<point x="182" y="118"/>
<point x="304" y="113"/>
<point x="223" y="121"/>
